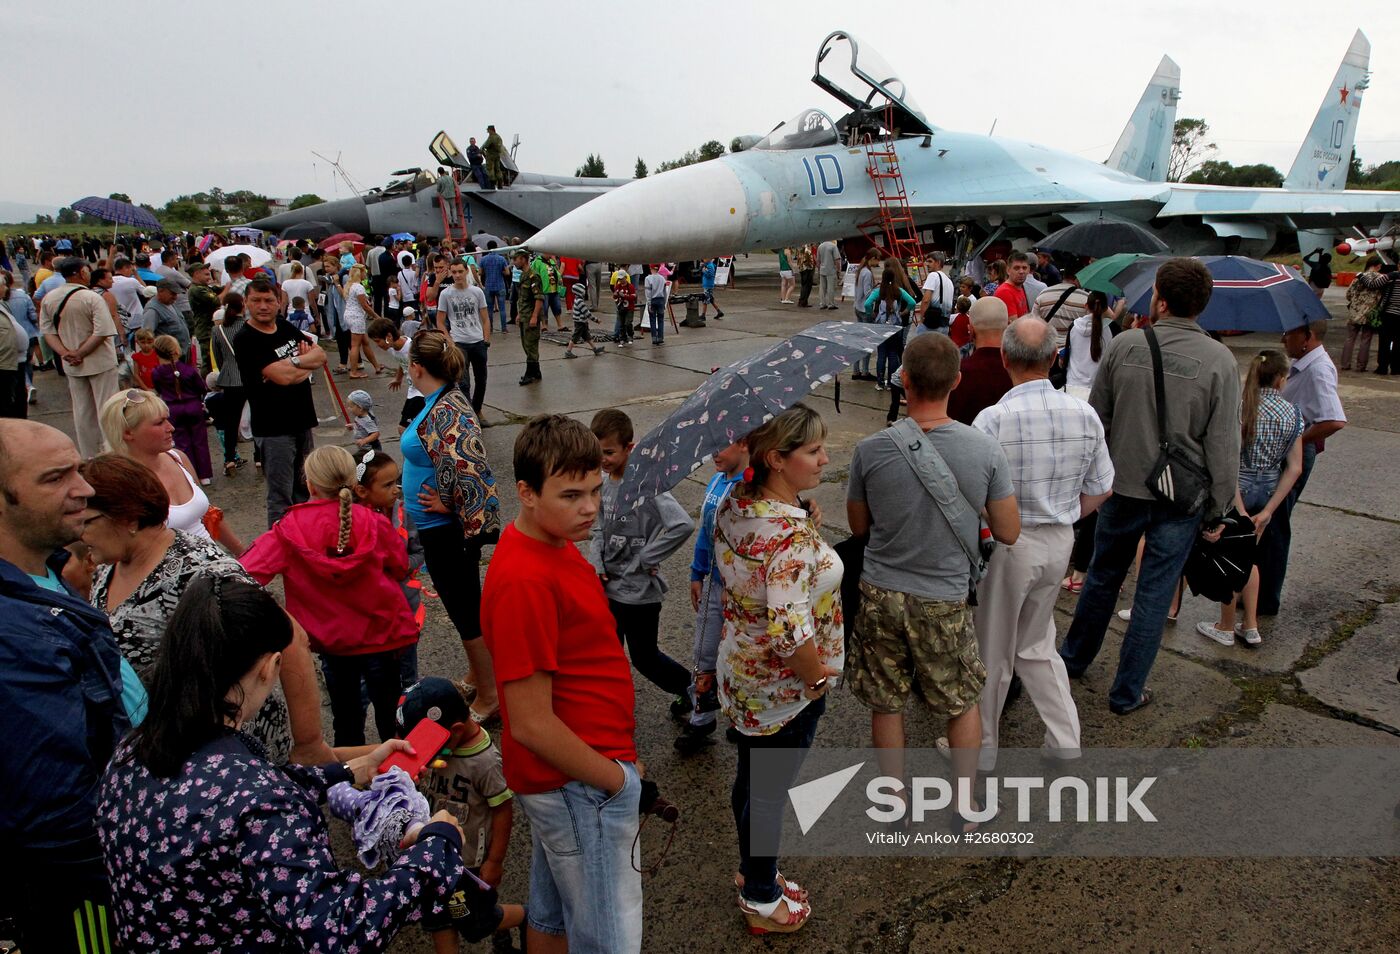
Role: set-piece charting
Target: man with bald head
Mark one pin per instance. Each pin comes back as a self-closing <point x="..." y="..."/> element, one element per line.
<point x="61" y="679"/>
<point x="1060" y="470"/>
<point x="984" y="379"/>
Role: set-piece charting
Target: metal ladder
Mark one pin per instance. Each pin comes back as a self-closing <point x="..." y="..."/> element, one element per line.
<point x="461" y="217"/>
<point x="895" y="221"/>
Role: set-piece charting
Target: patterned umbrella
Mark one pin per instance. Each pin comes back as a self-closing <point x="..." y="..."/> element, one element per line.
<point x="736" y="399"/>
<point x="116" y="212"/>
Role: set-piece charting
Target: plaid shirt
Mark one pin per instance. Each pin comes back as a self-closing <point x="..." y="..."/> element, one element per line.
<point x="1275" y="429"/>
<point x="1056" y="447"/>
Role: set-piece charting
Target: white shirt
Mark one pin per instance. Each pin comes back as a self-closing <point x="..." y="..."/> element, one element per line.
<point x="1056" y="448"/>
<point x="1312" y="387"/>
<point x="400" y="358"/>
<point x="300" y="288"/>
<point x="408" y="284"/>
<point x="1082" y="366"/>
<point x="127" y="292"/>
<point x="943" y="289"/>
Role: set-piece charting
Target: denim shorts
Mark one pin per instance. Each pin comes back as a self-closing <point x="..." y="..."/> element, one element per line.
<point x="584" y="881"/>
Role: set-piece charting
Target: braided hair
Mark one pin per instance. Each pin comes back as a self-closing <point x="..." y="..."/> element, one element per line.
<point x="331" y="473"/>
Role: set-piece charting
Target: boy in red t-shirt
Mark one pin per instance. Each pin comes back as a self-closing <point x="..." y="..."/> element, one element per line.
<point x="566" y="700"/>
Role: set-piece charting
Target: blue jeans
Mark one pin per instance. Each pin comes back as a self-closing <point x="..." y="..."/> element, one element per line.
<point x="496" y="300"/>
<point x="1272" y="558"/>
<point x="584" y="881"/>
<point x="887" y="357"/>
<point x="862" y="366"/>
<point x="764" y="812"/>
<point x="709" y="626"/>
<point x="1169" y="538"/>
<point x="658" y="319"/>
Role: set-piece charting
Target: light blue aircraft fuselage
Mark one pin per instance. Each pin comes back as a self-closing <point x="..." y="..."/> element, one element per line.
<point x="809" y="179"/>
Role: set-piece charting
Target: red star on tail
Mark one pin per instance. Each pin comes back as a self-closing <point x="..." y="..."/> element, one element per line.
<point x="1344" y="91"/>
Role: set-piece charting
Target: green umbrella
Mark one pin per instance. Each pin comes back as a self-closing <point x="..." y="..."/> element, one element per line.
<point x="1098" y="275"/>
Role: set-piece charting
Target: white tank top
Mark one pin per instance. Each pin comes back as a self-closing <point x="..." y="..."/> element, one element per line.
<point x="189" y="516"/>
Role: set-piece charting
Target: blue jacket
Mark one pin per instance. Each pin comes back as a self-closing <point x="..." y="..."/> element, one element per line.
<point x="60" y="679"/>
<point x="703" y="564"/>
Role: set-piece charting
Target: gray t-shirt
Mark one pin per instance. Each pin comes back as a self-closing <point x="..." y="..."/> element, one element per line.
<point x="463" y="307"/>
<point x="912" y="549"/>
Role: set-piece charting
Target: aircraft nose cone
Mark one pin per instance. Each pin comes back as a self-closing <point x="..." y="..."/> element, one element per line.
<point x="686" y="213"/>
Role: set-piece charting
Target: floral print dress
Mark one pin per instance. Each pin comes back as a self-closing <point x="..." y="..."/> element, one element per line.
<point x="233" y="854"/>
<point x="782" y="588"/>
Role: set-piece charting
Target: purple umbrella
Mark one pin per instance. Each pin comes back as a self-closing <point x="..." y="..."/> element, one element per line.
<point x="116" y="211"/>
<point x="737" y="399"/>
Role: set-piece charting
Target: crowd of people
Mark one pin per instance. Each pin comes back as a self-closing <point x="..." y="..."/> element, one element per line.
<point x="175" y="703"/>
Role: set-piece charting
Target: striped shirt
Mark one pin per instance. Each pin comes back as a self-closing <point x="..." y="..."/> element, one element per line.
<point x="1275" y="429"/>
<point x="1056" y="447"/>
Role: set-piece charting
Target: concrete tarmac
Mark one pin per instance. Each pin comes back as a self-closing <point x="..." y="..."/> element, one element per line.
<point x="1325" y="676"/>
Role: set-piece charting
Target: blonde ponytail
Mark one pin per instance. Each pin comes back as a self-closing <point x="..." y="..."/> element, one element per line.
<point x="342" y="540"/>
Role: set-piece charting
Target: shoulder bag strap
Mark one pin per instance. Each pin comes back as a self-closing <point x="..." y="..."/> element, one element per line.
<point x="1158" y="384"/>
<point x="58" y="312"/>
<point x="1063" y="297"/>
<point x="924" y="458"/>
<point x="223" y="333"/>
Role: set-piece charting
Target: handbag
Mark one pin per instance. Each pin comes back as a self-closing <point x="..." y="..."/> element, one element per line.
<point x="1175" y="479"/>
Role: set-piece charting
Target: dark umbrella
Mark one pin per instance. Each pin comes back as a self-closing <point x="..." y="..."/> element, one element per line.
<point x="116" y="212"/>
<point x="333" y="241"/>
<point x="1219" y="570"/>
<point x="314" y="230"/>
<point x="736" y="399"/>
<point x="1248" y="295"/>
<point x="1102" y="237"/>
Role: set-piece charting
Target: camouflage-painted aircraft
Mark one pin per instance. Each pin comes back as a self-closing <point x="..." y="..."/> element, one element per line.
<point x="410" y="203"/>
<point x="808" y="180"/>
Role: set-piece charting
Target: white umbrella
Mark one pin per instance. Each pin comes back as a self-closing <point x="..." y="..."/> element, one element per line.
<point x="259" y="256"/>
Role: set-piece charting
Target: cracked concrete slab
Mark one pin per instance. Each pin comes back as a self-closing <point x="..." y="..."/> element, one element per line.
<point x="1286" y="726"/>
<point x="1360" y="677"/>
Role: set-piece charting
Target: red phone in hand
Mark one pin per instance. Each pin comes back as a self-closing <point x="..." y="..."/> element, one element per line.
<point x="427" y="739"/>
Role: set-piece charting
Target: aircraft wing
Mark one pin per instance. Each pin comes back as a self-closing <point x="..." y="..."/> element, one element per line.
<point x="1301" y="208"/>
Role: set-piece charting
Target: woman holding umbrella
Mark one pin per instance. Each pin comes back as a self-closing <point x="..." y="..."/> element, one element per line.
<point x="1271" y="460"/>
<point x="782" y="641"/>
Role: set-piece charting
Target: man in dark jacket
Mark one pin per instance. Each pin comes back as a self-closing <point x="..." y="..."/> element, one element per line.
<point x="60" y="676"/>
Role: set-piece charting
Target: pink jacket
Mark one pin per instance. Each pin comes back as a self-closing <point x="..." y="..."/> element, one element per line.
<point x="349" y="604"/>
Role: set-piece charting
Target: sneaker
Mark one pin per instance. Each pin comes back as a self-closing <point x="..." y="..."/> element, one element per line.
<point x="570" y="354"/>
<point x="880" y="386"/>
<point x="597" y="350"/>
<point x="694" y="737"/>
<point x="680" y="708"/>
<point x="1251" y="637"/>
<point x="1219" y="635"/>
<point x="719" y="315"/>
<point x="1125" y="614"/>
<point x="33" y="395"/>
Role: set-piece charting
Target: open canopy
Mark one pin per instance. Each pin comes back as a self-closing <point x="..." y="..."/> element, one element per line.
<point x="859" y="77"/>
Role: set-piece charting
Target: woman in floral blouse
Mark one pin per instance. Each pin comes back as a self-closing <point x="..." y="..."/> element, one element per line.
<point x="211" y="846"/>
<point x="782" y="641"/>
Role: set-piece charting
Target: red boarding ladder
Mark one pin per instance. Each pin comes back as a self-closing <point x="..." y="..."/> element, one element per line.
<point x="895" y="219"/>
<point x="461" y="218"/>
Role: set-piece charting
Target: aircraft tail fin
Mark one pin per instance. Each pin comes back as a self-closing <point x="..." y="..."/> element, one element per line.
<point x="1146" y="143"/>
<point x="1324" y="159"/>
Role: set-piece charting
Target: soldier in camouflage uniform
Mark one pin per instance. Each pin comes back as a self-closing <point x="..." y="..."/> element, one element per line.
<point x="529" y="302"/>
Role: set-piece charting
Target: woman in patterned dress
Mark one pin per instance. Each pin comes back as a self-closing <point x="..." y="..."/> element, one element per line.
<point x="211" y="846"/>
<point x="781" y="644"/>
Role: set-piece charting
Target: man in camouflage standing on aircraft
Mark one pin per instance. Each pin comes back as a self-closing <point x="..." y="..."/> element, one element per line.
<point x="529" y="303"/>
<point x="494" y="148"/>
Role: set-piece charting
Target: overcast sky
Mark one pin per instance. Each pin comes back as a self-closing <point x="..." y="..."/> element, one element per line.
<point x="175" y="98"/>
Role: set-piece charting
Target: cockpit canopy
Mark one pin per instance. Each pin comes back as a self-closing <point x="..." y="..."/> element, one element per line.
<point x="806" y="130"/>
<point x="860" y="78"/>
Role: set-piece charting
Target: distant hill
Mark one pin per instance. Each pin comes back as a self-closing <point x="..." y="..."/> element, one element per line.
<point x="22" y="212"/>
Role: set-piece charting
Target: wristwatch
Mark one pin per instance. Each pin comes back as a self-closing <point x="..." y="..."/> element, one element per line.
<point x="296" y="360"/>
<point x="818" y="686"/>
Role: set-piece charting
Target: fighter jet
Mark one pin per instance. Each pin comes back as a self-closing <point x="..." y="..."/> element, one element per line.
<point x="811" y="178"/>
<point x="410" y="202"/>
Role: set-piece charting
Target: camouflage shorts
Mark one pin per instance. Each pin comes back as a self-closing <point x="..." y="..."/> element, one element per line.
<point x="902" y="642"/>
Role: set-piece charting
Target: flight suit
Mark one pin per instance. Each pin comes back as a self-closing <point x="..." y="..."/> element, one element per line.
<point x="493" y="148"/>
<point x="531" y="292"/>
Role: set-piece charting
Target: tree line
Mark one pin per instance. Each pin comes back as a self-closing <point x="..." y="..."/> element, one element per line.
<point x="1191" y="161"/>
<point x="593" y="167"/>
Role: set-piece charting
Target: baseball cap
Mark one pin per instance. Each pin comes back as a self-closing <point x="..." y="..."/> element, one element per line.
<point x="432" y="698"/>
<point x="168" y="284"/>
<point x="362" y="399"/>
<point x="408" y="310"/>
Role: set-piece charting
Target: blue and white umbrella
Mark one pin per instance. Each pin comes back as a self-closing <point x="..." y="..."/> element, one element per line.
<point x="403" y="237"/>
<point x="1248" y="295"/>
<point x="736" y="399"/>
